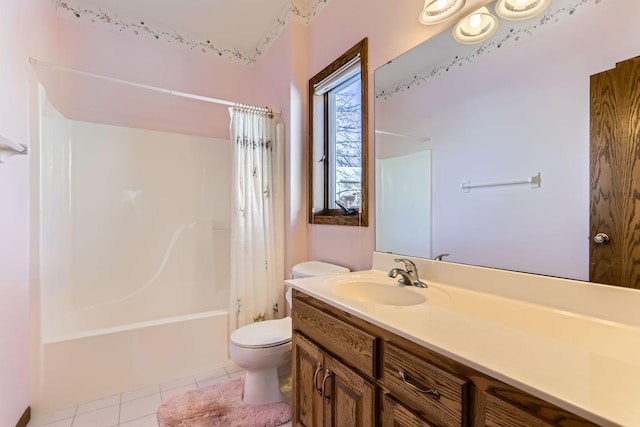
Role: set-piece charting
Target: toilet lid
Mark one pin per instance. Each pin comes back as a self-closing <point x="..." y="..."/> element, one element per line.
<point x="269" y="333"/>
<point x="316" y="268"/>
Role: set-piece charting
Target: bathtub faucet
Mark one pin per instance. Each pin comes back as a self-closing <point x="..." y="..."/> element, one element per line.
<point x="409" y="276"/>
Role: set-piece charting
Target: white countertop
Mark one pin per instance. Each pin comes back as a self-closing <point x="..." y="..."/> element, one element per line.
<point x="585" y="364"/>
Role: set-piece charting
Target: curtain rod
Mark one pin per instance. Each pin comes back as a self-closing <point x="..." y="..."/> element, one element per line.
<point x="39" y="63"/>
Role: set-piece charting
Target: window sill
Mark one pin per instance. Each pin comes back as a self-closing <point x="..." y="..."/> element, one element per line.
<point x="338" y="219"/>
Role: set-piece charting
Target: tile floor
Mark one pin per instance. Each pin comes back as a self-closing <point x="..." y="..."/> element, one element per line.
<point x="135" y="408"/>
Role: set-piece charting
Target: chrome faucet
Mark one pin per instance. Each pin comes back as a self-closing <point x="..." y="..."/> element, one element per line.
<point x="409" y="276"/>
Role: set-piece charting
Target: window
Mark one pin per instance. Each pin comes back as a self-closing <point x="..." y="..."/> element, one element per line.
<point x="338" y="141"/>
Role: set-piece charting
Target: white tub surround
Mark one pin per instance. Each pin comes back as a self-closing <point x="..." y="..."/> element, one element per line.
<point x="129" y="257"/>
<point x="574" y="344"/>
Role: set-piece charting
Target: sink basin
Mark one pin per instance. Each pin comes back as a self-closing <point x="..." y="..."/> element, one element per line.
<point x="378" y="293"/>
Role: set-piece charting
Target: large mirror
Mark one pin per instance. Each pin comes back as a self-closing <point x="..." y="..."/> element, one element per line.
<point x="513" y="110"/>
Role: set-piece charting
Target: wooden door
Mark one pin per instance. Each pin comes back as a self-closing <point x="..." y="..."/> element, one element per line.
<point x="350" y="399"/>
<point x="615" y="175"/>
<point x="307" y="372"/>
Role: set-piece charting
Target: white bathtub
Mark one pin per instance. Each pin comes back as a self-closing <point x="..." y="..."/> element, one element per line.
<point x="103" y="362"/>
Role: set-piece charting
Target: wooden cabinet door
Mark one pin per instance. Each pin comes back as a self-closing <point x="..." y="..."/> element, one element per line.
<point x="396" y="415"/>
<point x="326" y="392"/>
<point x="349" y="398"/>
<point x="307" y="372"/>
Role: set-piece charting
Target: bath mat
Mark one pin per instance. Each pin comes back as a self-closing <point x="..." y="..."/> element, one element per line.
<point x="220" y="405"/>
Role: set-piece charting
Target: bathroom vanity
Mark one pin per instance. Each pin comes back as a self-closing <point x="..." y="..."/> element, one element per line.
<point x="490" y="353"/>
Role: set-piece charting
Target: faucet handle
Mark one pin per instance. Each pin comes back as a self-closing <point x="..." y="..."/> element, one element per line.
<point x="410" y="275"/>
<point x="408" y="265"/>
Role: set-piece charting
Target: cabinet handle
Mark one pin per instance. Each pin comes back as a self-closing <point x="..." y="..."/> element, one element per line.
<point x="434" y="393"/>
<point x="315" y="378"/>
<point x="324" y="380"/>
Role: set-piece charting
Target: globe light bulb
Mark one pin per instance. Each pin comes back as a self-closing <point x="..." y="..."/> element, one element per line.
<point x="475" y="20"/>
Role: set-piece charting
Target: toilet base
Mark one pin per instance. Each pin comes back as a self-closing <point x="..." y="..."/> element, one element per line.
<point x="262" y="387"/>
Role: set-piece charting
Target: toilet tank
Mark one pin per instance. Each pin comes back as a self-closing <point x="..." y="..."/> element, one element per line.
<point x="312" y="269"/>
<point x="316" y="268"/>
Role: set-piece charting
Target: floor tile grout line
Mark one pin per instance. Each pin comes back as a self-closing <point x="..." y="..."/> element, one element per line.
<point x="229" y="371"/>
<point x="226" y="375"/>
<point x="73" y="417"/>
<point x="138" y="418"/>
<point x="119" y="410"/>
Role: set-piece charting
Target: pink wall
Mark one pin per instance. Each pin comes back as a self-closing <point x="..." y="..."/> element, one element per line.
<point x="281" y="76"/>
<point x="124" y="56"/>
<point x="27" y="28"/>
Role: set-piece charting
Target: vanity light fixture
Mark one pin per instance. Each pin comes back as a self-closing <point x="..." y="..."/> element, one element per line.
<point x="477" y="27"/>
<point x="520" y="9"/>
<point x="436" y="11"/>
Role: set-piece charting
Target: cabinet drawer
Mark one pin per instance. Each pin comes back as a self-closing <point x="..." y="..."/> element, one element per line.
<point x="506" y="406"/>
<point x="435" y="394"/>
<point x="342" y="339"/>
<point x="394" y="414"/>
<point x="501" y="413"/>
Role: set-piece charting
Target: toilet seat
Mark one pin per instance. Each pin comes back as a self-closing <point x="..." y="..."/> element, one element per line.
<point x="263" y="347"/>
<point x="269" y="333"/>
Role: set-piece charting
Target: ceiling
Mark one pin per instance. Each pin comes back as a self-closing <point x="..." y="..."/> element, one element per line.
<point x="236" y="29"/>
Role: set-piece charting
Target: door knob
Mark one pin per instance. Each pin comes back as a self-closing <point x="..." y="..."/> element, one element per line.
<point x="601" y="239"/>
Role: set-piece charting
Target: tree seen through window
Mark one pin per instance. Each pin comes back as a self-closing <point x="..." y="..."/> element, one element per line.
<point x="346" y="144"/>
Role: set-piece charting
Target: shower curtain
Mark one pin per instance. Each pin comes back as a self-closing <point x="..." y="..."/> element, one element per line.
<point x="257" y="236"/>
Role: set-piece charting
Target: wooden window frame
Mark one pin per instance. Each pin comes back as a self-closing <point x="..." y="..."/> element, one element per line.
<point x="336" y="216"/>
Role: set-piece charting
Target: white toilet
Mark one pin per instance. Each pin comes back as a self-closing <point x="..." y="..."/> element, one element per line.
<point x="262" y="347"/>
